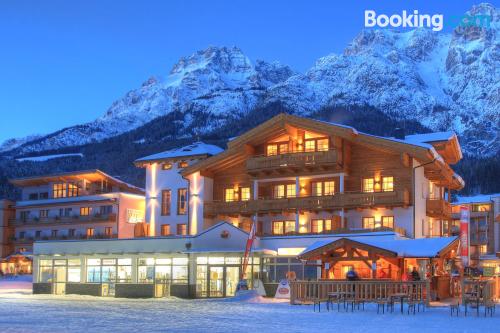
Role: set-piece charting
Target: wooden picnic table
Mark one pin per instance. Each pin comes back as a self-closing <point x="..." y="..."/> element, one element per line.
<point x="400" y="296"/>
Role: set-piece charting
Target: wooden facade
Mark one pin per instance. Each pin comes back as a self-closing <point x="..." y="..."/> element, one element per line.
<point x="362" y="172"/>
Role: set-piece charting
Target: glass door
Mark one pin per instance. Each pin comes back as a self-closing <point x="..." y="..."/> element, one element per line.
<point x="59" y="280"/>
<point x="232" y="279"/>
<point x="216" y="281"/>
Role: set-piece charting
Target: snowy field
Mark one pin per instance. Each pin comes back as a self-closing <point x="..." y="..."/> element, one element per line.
<point x="22" y="312"/>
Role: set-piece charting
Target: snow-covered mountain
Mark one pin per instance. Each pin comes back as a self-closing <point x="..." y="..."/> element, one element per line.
<point x="445" y="81"/>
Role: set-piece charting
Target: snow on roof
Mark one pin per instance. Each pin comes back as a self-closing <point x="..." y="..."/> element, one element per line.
<point x="476" y="198"/>
<point x="197" y="148"/>
<point x="430" y="137"/>
<point x="404" y="247"/>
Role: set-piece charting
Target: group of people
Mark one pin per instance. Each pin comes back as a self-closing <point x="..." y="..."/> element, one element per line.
<point x="412" y="275"/>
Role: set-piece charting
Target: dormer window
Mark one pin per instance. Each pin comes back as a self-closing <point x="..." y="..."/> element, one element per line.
<point x="166" y="166"/>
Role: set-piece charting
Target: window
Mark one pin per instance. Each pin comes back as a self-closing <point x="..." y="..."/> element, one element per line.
<point x="71" y="232"/>
<point x="319" y="226"/>
<point x="368" y="222"/>
<point x="53" y="233"/>
<point x="279" y="191"/>
<point x="44" y="195"/>
<point x="245" y="193"/>
<point x="182" y="164"/>
<point x="310" y="145"/>
<point x="38" y="234"/>
<point x="33" y="196"/>
<point x="290" y="191"/>
<point x="182" y="229"/>
<point x="90" y="232"/>
<point x="108" y="231"/>
<point x="322" y="144"/>
<point x="283" y="227"/>
<point x="388" y="222"/>
<point x="59" y="190"/>
<point x="329" y="187"/>
<point x="182" y="201"/>
<point x="85" y="211"/>
<point x="72" y="190"/>
<point x="229" y="195"/>
<point x="387" y="184"/>
<point x="44" y="213"/>
<point x="166" y="199"/>
<point x="481" y="208"/>
<point x="25" y="215"/>
<point x="105" y="210"/>
<point x="483" y="249"/>
<point x="272" y="150"/>
<point x="368" y="185"/>
<point x="67" y="211"/>
<point x="283" y="148"/>
<point x="22" y="235"/>
<point x="165" y="229"/>
<point x="323" y="188"/>
<point x="166" y="166"/>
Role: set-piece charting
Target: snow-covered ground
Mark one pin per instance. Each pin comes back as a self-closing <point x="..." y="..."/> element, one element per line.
<point x="22" y="312"/>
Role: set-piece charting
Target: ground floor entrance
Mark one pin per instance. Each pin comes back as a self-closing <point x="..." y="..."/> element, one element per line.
<point x="217" y="281"/>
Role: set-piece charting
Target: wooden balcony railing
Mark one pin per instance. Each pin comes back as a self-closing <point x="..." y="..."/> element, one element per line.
<point x="366" y="290"/>
<point x="438" y="208"/>
<point x="292" y="160"/>
<point x="330" y="202"/>
<point x="64" y="220"/>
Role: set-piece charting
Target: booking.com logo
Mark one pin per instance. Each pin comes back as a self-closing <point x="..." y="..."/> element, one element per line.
<point x="417" y="20"/>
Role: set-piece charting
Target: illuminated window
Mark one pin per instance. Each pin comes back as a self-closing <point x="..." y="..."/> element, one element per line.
<point x="166" y="200"/>
<point x="481" y="208"/>
<point x="272" y="150"/>
<point x="108" y="231"/>
<point x="368" y="222"/>
<point x="229" y="195"/>
<point x="317" y="189"/>
<point x="166" y="166"/>
<point x="388" y="222"/>
<point x="72" y="190"/>
<point x="310" y="145"/>
<point x="327" y="225"/>
<point x="483" y="249"/>
<point x="59" y="190"/>
<point x="90" y="232"/>
<point x="182" y="164"/>
<point x="322" y="144"/>
<point x="165" y="229"/>
<point x="289" y="227"/>
<point x="329" y="187"/>
<point x="182" y="201"/>
<point x="317" y="226"/>
<point x="368" y="185"/>
<point x="182" y="229"/>
<point x="290" y="191"/>
<point x="245" y="193"/>
<point x="387" y="184"/>
<point x="283" y="148"/>
<point x="85" y="211"/>
<point x="283" y="227"/>
<point x="279" y="191"/>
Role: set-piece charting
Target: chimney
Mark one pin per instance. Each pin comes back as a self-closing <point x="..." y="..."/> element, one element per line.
<point x="399" y="133"/>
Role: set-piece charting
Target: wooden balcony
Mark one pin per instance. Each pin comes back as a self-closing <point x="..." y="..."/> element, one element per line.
<point x="64" y="220"/>
<point x="331" y="202"/>
<point x="292" y="162"/>
<point x="438" y="208"/>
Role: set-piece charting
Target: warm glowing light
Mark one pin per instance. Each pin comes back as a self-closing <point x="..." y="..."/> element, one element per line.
<point x="152" y="200"/>
<point x="194" y="201"/>
<point x="290" y="251"/>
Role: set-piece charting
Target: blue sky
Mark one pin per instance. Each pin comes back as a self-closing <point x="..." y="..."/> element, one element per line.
<point x="64" y="62"/>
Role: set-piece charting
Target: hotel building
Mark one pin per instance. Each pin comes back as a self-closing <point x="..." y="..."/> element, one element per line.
<point x="303" y="182"/>
<point x="76" y="205"/>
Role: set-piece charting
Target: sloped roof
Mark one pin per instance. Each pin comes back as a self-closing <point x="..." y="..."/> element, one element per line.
<point x="195" y="149"/>
<point x="430" y="137"/>
<point x="480" y="198"/>
<point x="403" y="247"/>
